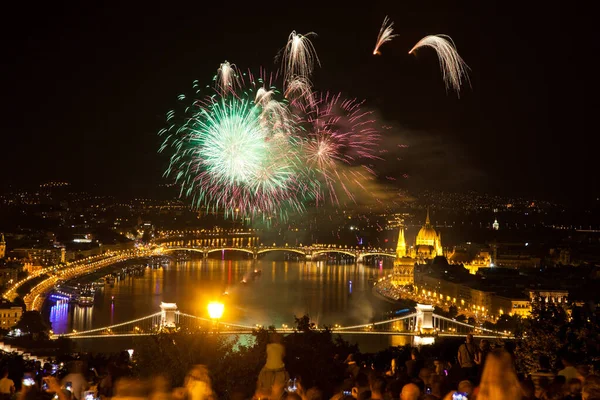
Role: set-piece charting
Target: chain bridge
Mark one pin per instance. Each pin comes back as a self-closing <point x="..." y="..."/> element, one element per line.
<point x="308" y="252"/>
<point x="423" y="325"/>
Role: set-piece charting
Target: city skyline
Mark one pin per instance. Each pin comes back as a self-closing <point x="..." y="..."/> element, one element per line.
<point x="106" y="80"/>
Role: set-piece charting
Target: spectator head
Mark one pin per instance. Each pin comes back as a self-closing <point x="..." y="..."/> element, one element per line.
<point x="314" y="394"/>
<point x="76" y="367"/>
<point x="591" y="388"/>
<point x="574" y="386"/>
<point x="4" y="372"/>
<point x="274" y="337"/>
<point x="484" y="345"/>
<point x="528" y="389"/>
<point x="47" y="367"/>
<point x="437" y="390"/>
<point x="410" y="391"/>
<point x="566" y="360"/>
<point x="293" y="396"/>
<point x="130" y="388"/>
<point x="439" y="367"/>
<point x="160" y="384"/>
<point x="554" y="392"/>
<point x="425" y="375"/>
<point x="123" y="357"/>
<point x="361" y="384"/>
<point x="465" y="387"/>
<point x="469" y="338"/>
<point x="378" y="386"/>
<point x="394" y="388"/>
<point x="414" y="353"/>
<point x="499" y="379"/>
<point x="364" y="395"/>
<point x="362" y="380"/>
<point x="199" y="372"/>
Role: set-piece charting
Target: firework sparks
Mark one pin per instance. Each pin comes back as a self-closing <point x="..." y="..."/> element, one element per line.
<point x="340" y="134"/>
<point x="299" y="57"/>
<point x="454" y="69"/>
<point x="300" y="89"/>
<point x="248" y="149"/>
<point x="226" y="77"/>
<point x="229" y="152"/>
<point x="386" y="33"/>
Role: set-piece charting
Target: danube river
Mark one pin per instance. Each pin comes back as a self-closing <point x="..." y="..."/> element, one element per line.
<point x="329" y="293"/>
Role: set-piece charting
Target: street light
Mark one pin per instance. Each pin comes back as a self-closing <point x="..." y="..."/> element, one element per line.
<point x="215" y="310"/>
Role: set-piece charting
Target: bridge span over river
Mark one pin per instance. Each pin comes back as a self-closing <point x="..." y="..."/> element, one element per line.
<point x="307" y="252"/>
<point x="423" y="325"/>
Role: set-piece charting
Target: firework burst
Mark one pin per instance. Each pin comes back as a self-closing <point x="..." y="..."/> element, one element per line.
<point x="226" y="79"/>
<point x="299" y="57"/>
<point x="340" y="136"/>
<point x="234" y="153"/>
<point x="248" y="149"/>
<point x="454" y="69"/>
<point x="386" y="33"/>
<point x="300" y="89"/>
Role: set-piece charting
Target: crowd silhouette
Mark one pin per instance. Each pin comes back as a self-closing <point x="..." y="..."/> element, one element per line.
<point x="478" y="371"/>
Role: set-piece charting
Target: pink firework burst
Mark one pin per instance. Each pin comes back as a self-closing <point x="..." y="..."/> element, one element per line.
<point x="339" y="137"/>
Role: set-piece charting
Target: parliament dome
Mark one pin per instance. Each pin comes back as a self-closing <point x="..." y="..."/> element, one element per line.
<point x="426" y="234"/>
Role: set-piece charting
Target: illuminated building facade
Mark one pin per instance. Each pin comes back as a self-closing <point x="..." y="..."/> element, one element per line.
<point x="40" y="256"/>
<point x="512" y="305"/>
<point x="471" y="260"/>
<point x="475" y="298"/>
<point x="9" y="315"/>
<point x="2" y="246"/>
<point x="428" y="243"/>
<point x="404" y="266"/>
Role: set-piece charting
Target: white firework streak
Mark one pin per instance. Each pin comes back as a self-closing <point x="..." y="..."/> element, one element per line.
<point x="226" y="77"/>
<point x="299" y="57"/>
<point x="454" y="69"/>
<point x="386" y="33"/>
<point x="300" y="89"/>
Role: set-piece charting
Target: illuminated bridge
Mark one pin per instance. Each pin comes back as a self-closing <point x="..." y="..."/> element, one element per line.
<point x="307" y="252"/>
<point x="423" y="325"/>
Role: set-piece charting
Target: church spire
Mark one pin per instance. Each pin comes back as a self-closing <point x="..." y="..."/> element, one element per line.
<point x="401" y="246"/>
<point x="2" y="246"/>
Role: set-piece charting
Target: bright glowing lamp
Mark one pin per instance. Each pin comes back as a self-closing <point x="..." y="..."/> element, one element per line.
<point x="215" y="309"/>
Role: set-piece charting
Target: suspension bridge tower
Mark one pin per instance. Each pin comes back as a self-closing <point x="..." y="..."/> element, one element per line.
<point x="168" y="315"/>
<point x="425" y="332"/>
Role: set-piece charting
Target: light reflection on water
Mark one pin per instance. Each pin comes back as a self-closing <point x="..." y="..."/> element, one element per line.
<point x="329" y="293"/>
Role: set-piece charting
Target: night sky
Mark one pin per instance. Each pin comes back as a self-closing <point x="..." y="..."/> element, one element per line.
<point x="85" y="89"/>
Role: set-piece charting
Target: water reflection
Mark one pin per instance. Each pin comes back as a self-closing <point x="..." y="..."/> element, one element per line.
<point x="329" y="293"/>
<point x="59" y="316"/>
<point x="82" y="318"/>
<point x="66" y="317"/>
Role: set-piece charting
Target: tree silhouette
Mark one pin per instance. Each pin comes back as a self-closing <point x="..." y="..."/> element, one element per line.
<point x="18" y="301"/>
<point x="32" y="323"/>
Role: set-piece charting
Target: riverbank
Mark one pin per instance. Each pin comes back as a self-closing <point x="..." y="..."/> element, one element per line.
<point x="391" y="295"/>
<point x="36" y="297"/>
